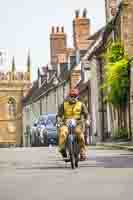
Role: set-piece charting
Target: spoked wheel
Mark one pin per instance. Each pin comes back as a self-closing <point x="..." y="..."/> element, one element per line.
<point x="72" y="161"/>
<point x="76" y="153"/>
<point x="72" y="156"/>
<point x="73" y="149"/>
<point x="76" y="162"/>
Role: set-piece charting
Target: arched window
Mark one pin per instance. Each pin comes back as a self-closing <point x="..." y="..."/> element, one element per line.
<point x="12" y="107"/>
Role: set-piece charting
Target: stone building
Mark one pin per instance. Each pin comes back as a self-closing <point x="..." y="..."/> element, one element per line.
<point x="13" y="86"/>
<point x="104" y="118"/>
<point x="123" y="30"/>
<point x="90" y="83"/>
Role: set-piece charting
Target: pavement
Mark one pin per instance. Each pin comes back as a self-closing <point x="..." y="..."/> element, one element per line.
<point x="40" y="174"/>
<point x="116" y="145"/>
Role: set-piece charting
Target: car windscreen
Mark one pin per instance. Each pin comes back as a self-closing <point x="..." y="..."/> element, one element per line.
<point x="42" y="120"/>
<point x="51" y="122"/>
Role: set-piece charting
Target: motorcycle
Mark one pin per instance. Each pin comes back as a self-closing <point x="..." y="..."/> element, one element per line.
<point x="72" y="145"/>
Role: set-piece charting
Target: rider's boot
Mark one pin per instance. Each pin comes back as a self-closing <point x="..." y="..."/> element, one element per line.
<point x="82" y="156"/>
<point x="63" y="153"/>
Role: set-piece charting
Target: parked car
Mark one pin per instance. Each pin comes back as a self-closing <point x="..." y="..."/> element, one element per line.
<point x="44" y="131"/>
<point x="38" y="131"/>
<point x="52" y="136"/>
<point x="33" y="134"/>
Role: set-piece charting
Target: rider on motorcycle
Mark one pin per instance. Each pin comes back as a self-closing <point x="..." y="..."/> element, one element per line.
<point x="72" y="108"/>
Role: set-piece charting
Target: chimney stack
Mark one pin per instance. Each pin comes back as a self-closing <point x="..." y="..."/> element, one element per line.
<point x="81" y="30"/>
<point x="58" y="43"/>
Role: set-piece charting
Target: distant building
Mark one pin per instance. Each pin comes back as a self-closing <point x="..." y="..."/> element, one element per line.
<point x="14" y="86"/>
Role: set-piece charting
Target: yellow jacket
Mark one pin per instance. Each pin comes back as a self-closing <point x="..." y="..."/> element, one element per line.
<point x="76" y="110"/>
<point x="72" y="110"/>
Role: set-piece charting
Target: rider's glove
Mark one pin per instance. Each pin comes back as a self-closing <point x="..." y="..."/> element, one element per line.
<point x="58" y="122"/>
<point x="58" y="125"/>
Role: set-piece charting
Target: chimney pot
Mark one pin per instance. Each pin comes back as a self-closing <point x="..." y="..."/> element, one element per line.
<point x="77" y="13"/>
<point x="57" y="29"/>
<point x="62" y="29"/>
<point x="85" y="13"/>
<point x="52" y="29"/>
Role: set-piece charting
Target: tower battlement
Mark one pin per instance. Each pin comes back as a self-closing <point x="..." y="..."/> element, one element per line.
<point x="14" y="76"/>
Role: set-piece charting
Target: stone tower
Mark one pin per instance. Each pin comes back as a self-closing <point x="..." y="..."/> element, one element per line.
<point x="127" y="27"/>
<point x="127" y="38"/>
<point x="81" y="30"/>
<point x="58" y="44"/>
<point x="13" y="86"/>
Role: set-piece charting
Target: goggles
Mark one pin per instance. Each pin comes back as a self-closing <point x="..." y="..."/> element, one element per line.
<point x="72" y="96"/>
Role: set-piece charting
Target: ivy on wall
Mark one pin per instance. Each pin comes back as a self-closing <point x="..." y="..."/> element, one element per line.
<point x="116" y="79"/>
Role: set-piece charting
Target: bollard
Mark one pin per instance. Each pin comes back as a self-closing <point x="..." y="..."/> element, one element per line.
<point x="28" y="136"/>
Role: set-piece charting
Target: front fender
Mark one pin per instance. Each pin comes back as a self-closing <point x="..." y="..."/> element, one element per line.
<point x="71" y="138"/>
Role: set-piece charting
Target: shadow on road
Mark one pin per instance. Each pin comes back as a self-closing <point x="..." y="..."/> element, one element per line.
<point x="122" y="161"/>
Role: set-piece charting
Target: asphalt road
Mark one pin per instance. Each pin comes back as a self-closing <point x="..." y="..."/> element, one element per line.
<point x="40" y="174"/>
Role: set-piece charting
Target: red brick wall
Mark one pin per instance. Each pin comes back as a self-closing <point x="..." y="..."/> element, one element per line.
<point x="81" y="32"/>
<point x="58" y="42"/>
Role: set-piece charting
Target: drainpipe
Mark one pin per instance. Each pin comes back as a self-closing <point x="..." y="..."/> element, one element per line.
<point x="58" y="102"/>
<point x="89" y="110"/>
<point x="63" y="90"/>
<point x="40" y="106"/>
<point x="46" y="104"/>
<point x="89" y="97"/>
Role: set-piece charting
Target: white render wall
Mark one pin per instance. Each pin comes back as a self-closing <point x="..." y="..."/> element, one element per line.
<point x="95" y="99"/>
<point x="93" y="76"/>
<point x="50" y="103"/>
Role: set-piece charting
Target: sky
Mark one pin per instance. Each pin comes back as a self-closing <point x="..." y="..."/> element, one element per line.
<point x="26" y="24"/>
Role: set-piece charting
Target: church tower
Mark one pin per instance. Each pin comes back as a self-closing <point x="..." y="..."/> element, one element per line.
<point x="13" y="86"/>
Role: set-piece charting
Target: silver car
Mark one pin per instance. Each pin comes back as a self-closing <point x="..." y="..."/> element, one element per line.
<point x="38" y="133"/>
